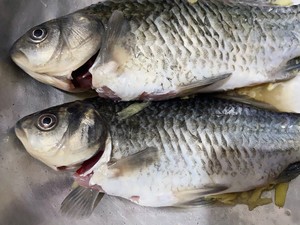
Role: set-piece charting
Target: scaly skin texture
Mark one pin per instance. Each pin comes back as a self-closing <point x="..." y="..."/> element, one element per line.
<point x="261" y="2"/>
<point x="201" y="142"/>
<point x="171" y="44"/>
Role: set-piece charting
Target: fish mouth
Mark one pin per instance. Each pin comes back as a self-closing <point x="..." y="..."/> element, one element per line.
<point x="19" y="131"/>
<point x="85" y="165"/>
<point x="81" y="77"/>
<point x="18" y="57"/>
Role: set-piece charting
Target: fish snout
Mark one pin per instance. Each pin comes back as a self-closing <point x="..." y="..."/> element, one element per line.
<point x="18" y="56"/>
<point x="19" y="131"/>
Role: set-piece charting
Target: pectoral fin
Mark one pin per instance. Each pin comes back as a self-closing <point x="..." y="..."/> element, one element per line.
<point x="132" y="110"/>
<point x="108" y="62"/>
<point x="293" y="64"/>
<point x="201" y="201"/>
<point x="247" y="100"/>
<point x="115" y="27"/>
<point x="194" y="87"/>
<point x="197" y="196"/>
<point x="290" y="71"/>
<point x="134" y="162"/>
<point x="80" y="202"/>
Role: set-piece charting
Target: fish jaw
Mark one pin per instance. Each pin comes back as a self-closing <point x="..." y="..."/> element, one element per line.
<point x="60" y="82"/>
<point x="72" y="81"/>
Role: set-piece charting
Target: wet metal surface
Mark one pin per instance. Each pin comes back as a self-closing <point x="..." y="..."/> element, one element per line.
<point x="31" y="193"/>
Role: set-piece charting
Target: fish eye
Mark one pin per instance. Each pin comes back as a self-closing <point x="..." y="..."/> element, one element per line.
<point x="46" y="122"/>
<point x="38" y="35"/>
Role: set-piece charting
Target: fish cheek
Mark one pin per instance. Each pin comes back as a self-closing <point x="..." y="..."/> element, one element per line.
<point x="41" y="55"/>
<point x="42" y="141"/>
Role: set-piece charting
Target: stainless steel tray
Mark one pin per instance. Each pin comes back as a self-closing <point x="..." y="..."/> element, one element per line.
<point x="31" y="193"/>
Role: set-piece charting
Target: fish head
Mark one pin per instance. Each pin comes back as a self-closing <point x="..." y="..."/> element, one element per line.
<point x="63" y="137"/>
<point x="52" y="51"/>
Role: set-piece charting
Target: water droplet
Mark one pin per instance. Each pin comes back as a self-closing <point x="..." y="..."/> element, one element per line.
<point x="288" y="212"/>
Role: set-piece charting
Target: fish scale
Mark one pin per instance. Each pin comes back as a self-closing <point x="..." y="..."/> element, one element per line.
<point x="206" y="40"/>
<point x="262" y="3"/>
<point x="170" y="137"/>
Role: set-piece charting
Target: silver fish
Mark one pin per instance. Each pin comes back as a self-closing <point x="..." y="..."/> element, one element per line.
<point x="260" y="3"/>
<point x="159" y="49"/>
<point x="166" y="153"/>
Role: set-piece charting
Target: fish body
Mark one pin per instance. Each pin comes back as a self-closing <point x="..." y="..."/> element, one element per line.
<point x="170" y="153"/>
<point x="154" y="50"/>
<point x="262" y="3"/>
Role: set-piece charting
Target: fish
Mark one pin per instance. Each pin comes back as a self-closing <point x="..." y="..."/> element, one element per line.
<point x="181" y="152"/>
<point x="260" y="3"/>
<point x="156" y="50"/>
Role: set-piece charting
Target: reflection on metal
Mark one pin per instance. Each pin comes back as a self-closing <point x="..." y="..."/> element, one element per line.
<point x="31" y="193"/>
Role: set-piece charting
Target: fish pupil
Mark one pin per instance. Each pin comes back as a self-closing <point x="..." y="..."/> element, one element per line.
<point x="38" y="33"/>
<point x="47" y="121"/>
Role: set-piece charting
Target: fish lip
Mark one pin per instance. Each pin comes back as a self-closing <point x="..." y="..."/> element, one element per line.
<point x="80" y="80"/>
<point x="17" y="55"/>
